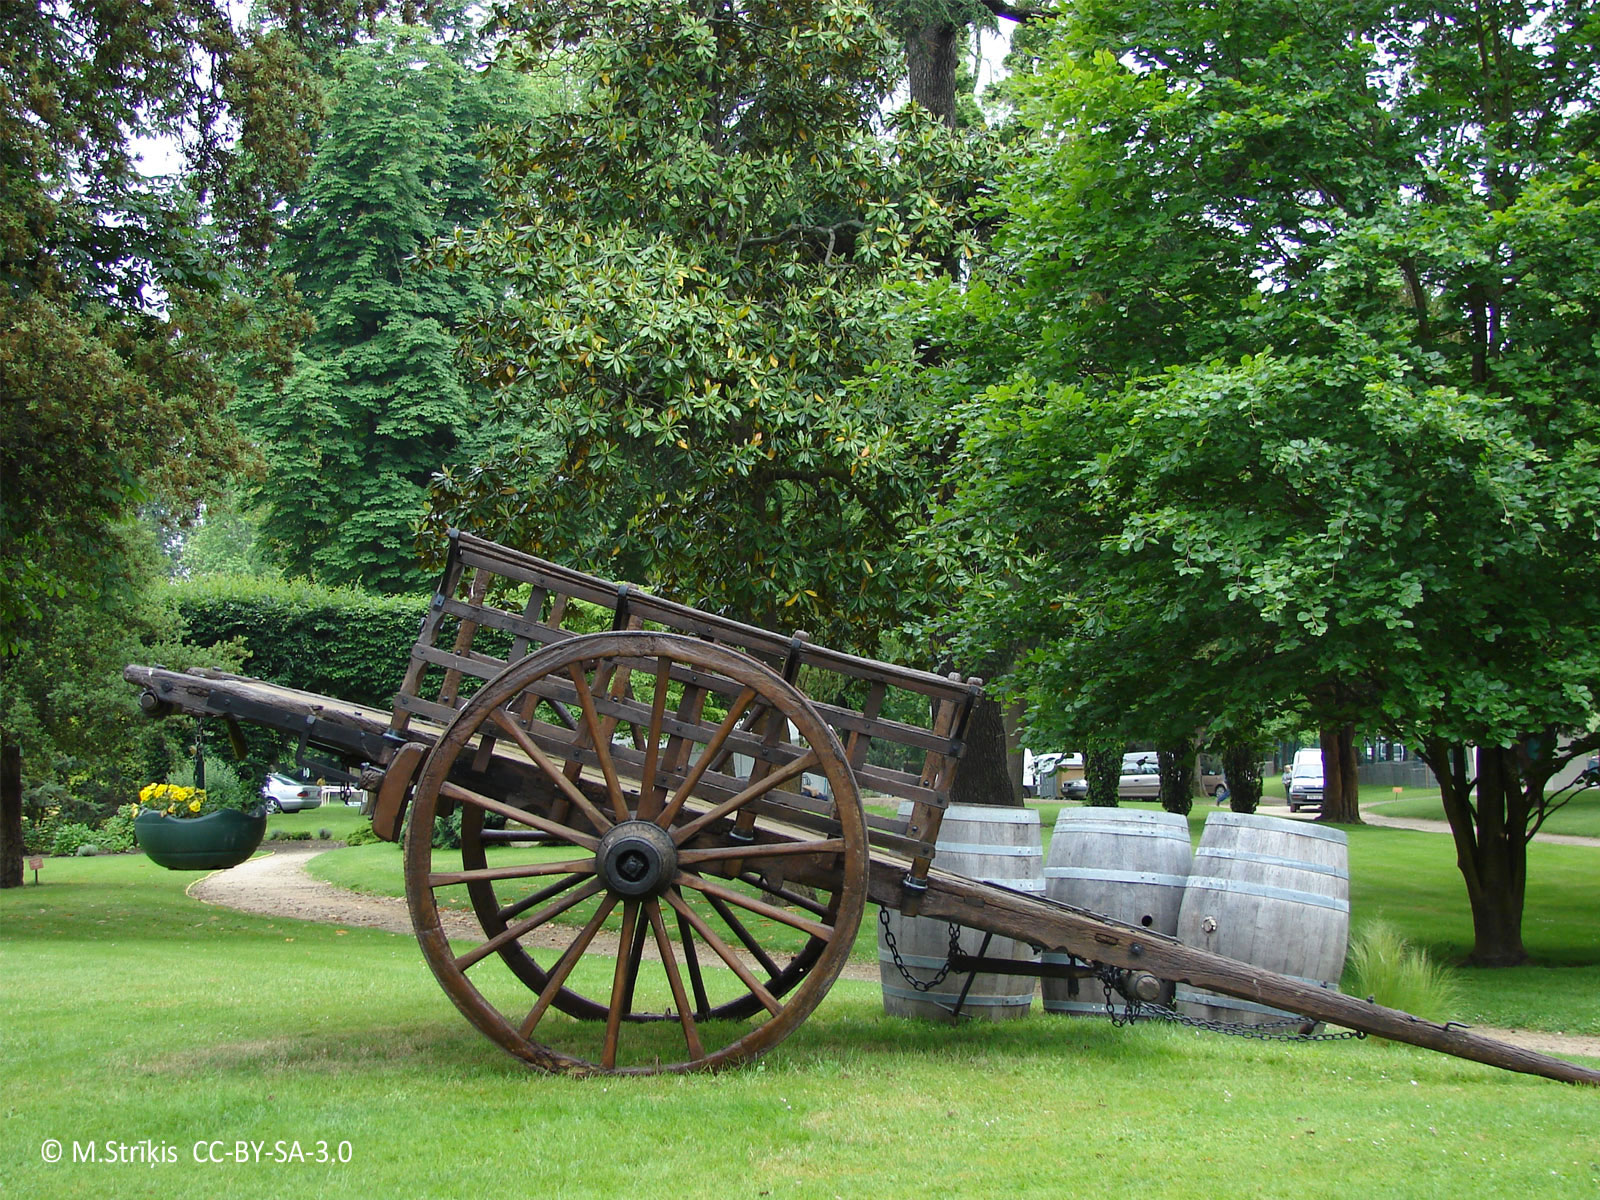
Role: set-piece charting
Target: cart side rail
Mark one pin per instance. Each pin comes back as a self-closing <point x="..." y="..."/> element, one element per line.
<point x="902" y="729"/>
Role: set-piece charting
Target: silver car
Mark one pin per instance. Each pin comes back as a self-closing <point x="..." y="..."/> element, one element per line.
<point x="283" y="794"/>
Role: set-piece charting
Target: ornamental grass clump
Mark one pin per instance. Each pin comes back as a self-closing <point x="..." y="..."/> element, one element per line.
<point x="1395" y="973"/>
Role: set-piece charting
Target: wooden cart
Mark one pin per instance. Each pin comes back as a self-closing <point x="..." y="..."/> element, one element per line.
<point x="661" y="830"/>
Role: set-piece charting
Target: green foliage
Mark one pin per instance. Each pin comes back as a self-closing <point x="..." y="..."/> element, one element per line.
<point x="71" y="838"/>
<point x="1102" y="772"/>
<point x="374" y="404"/>
<point x="118" y="294"/>
<point x="1241" y="767"/>
<point x="694" y="261"/>
<point x="1322" y="487"/>
<point x="333" y="641"/>
<point x="1281" y="398"/>
<point x="89" y="748"/>
<point x="224" y="788"/>
<point x="115" y="834"/>
<point x="361" y="835"/>
<point x="447" y="831"/>
<point x="1176" y="763"/>
<point x="1385" y="967"/>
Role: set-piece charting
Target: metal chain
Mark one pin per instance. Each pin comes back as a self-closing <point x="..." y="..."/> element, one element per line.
<point x="1284" y="1029"/>
<point x="899" y="965"/>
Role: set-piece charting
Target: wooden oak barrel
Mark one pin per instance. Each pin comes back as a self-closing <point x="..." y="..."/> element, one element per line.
<point x="1272" y="893"/>
<point x="994" y="845"/>
<point x="1128" y="864"/>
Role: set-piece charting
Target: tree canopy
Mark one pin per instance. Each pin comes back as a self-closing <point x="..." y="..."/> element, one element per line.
<point x="1292" y="399"/>
<point x="119" y="302"/>
<point x="696" y="258"/>
<point x="374" y="402"/>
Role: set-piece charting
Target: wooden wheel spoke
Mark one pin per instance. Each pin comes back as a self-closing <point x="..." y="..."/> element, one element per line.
<point x="600" y="740"/>
<point x="620" y="985"/>
<point x="691" y="962"/>
<point x="455" y="791"/>
<point x="512" y="911"/>
<point x="703" y="763"/>
<point x="641" y="930"/>
<point x="556" y="775"/>
<point x="755" y="880"/>
<point x="753" y="949"/>
<point x="569" y="959"/>
<point x="576" y="867"/>
<point x="669" y="964"/>
<point x="760" y="850"/>
<point x="759" y="788"/>
<point x="771" y="911"/>
<point x="512" y="932"/>
<point x="649" y="801"/>
<point x="746" y="938"/>
<point x="726" y="954"/>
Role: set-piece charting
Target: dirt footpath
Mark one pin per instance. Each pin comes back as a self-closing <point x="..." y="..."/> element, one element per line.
<point x="277" y="884"/>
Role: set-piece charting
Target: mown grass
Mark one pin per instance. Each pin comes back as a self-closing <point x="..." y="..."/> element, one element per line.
<point x="1407" y="879"/>
<point x="1579" y="816"/>
<point x="135" y="1013"/>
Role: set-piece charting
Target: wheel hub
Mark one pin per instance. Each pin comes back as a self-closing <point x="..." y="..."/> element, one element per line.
<point x="637" y="859"/>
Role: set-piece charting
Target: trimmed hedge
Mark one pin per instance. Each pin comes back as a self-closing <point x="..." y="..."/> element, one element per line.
<point x="333" y="641"/>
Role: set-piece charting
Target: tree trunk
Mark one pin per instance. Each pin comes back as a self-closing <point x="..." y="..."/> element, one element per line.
<point x="1341" y="797"/>
<point x="10" y="813"/>
<point x="1176" y="764"/>
<point x="1102" y="772"/>
<point x="985" y="775"/>
<point x="1241" y="770"/>
<point x="931" y="67"/>
<point x="1491" y="843"/>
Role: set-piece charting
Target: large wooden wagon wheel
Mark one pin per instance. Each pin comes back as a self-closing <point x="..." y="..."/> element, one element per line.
<point x="686" y="914"/>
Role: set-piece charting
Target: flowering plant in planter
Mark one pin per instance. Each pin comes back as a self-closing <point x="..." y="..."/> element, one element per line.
<point x="173" y="800"/>
<point x="180" y="798"/>
<point x="187" y="828"/>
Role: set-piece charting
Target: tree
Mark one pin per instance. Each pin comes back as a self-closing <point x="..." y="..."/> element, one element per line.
<point x="116" y="302"/>
<point x="375" y="403"/>
<point x="1293" y="389"/>
<point x="695" y="261"/>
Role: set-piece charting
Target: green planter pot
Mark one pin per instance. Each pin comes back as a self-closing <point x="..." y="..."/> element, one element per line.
<point x="219" y="839"/>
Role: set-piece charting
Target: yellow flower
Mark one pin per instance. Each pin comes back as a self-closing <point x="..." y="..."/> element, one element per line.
<point x="194" y="806"/>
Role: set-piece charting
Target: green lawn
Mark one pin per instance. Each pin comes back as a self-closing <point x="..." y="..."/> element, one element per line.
<point x="1407" y="879"/>
<point x="140" y="1017"/>
<point x="1580" y="816"/>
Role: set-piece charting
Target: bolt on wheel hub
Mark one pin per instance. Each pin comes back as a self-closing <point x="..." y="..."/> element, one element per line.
<point x="637" y="859"/>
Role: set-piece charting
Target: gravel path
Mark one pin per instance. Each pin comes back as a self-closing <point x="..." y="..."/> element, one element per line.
<point x="277" y="884"/>
<point x="1426" y="826"/>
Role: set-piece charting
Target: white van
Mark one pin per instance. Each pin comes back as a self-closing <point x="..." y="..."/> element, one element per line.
<point x="1302" y="758"/>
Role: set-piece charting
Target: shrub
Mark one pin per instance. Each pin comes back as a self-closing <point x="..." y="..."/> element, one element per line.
<point x="289" y="835"/>
<point x="115" y="834"/>
<point x="69" y="837"/>
<point x="447" y="832"/>
<point x="361" y="835"/>
<point x="1392" y="971"/>
<point x="324" y="834"/>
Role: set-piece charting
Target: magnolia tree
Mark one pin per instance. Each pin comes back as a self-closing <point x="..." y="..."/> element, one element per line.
<point x="1291" y="391"/>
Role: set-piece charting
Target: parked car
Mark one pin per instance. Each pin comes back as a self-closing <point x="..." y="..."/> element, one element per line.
<point x="1140" y="779"/>
<point x="284" y="794"/>
<point x="1305" y="786"/>
<point x="1309" y="757"/>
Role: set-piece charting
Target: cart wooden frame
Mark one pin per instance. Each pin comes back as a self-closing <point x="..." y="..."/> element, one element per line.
<point x="662" y="836"/>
